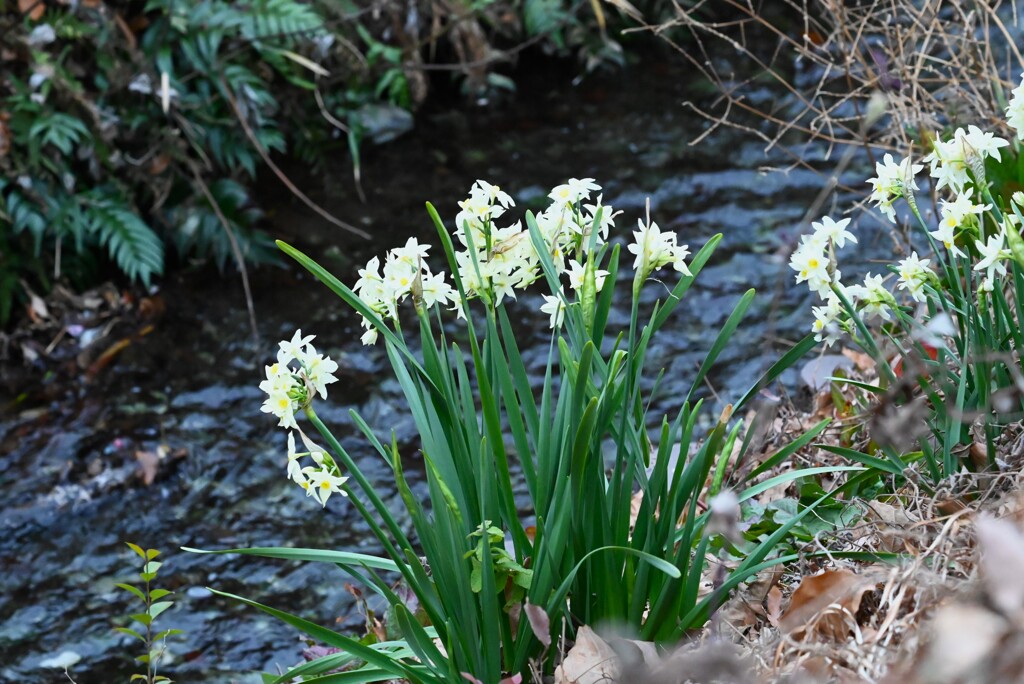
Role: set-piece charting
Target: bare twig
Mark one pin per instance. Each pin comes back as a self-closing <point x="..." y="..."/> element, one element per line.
<point x="937" y="62"/>
<point x="281" y="175"/>
<point x="235" y="249"/>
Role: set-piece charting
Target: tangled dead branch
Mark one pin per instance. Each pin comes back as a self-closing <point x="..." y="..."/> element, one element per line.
<point x="937" y="63"/>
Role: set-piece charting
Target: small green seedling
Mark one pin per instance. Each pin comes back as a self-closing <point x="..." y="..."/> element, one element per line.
<point x="154" y="606"/>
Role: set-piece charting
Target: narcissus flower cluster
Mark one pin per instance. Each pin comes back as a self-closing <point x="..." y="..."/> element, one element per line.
<point x="495" y="261"/>
<point x="299" y="374"/>
<point x="318" y="480"/>
<point x="967" y="229"/>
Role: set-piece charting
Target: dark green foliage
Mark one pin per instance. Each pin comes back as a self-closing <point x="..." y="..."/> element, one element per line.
<point x="102" y="163"/>
<point x="129" y="241"/>
<point x="199" y="227"/>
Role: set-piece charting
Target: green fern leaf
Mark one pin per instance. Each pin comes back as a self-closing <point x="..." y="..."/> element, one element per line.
<point x="132" y="244"/>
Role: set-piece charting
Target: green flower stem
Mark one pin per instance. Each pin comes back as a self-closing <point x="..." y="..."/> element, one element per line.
<point x="868" y="342"/>
<point x="402" y="558"/>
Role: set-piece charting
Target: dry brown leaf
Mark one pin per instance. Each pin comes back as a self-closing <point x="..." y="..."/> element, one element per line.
<point x="37" y="310"/>
<point x="149" y="465"/>
<point x="890" y="524"/>
<point x="5" y="134"/>
<point x="823" y="604"/>
<point x="1002" y="564"/>
<point x="159" y="164"/>
<point x="816" y="372"/>
<point x="882" y="512"/>
<point x="950" y="506"/>
<point x="739" y="614"/>
<point x="824" y="406"/>
<point x="590" y="661"/>
<point x="862" y="361"/>
<point x="126" y="30"/>
<point x="627" y="8"/>
<point x="514" y="679"/>
<point x="539" y="623"/>
<point x="963" y="637"/>
<point x="773" y="606"/>
<point x="978" y="455"/>
<point x="33" y="8"/>
<point x="635" y="504"/>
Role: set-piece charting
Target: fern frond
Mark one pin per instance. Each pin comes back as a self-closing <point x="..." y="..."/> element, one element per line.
<point x="279" y="21"/>
<point x="131" y="244"/>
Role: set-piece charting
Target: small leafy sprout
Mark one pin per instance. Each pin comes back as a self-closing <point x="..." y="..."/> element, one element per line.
<point x="154" y="606"/>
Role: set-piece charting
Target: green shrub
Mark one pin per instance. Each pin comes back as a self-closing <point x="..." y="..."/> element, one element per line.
<point x="128" y="128"/>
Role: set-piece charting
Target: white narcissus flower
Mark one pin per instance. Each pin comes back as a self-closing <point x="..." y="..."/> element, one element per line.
<point x="502" y="285"/>
<point x="280" y="383"/>
<point x="319" y="370"/>
<point x="370" y="336"/>
<point x="405" y="274"/>
<point x="947" y="163"/>
<point x="655" y="249"/>
<point x="298" y="474"/>
<point x="946" y="235"/>
<point x="577" y="272"/>
<point x="554" y="307"/>
<point x="370" y="286"/>
<point x="283" y="407"/>
<point x="608" y="215"/>
<point x="321" y="484"/>
<point x="435" y="290"/>
<point x="957" y="212"/>
<point x="826" y="327"/>
<point x="413" y="254"/>
<point x="913" y="274"/>
<point x="292" y="349"/>
<point x="835" y="231"/>
<point x="892" y="182"/>
<point x="495" y="194"/>
<point x="399" y="276"/>
<point x="873" y="298"/>
<point x="583" y="187"/>
<point x="573" y="191"/>
<point x="950" y="162"/>
<point x="993" y="252"/>
<point x="982" y="142"/>
<point x="562" y="195"/>
<point x="1015" y="110"/>
<point x="288" y="387"/>
<point x="812" y="264"/>
<point x="295" y="473"/>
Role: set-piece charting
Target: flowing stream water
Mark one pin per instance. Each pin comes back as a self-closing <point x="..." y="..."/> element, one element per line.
<point x="71" y="492"/>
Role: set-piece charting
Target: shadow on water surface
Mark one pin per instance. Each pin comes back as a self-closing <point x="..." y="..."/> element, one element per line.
<point x="72" y="492"/>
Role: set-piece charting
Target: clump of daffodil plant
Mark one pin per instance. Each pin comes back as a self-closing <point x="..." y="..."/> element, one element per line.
<point x="945" y="331"/>
<point x="610" y="527"/>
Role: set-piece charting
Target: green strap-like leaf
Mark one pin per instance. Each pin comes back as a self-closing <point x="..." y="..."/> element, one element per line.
<point x="332" y="638"/>
<point x="721" y="341"/>
<point x="796" y="353"/>
<point x="659" y="563"/>
<point x="315" y="555"/>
